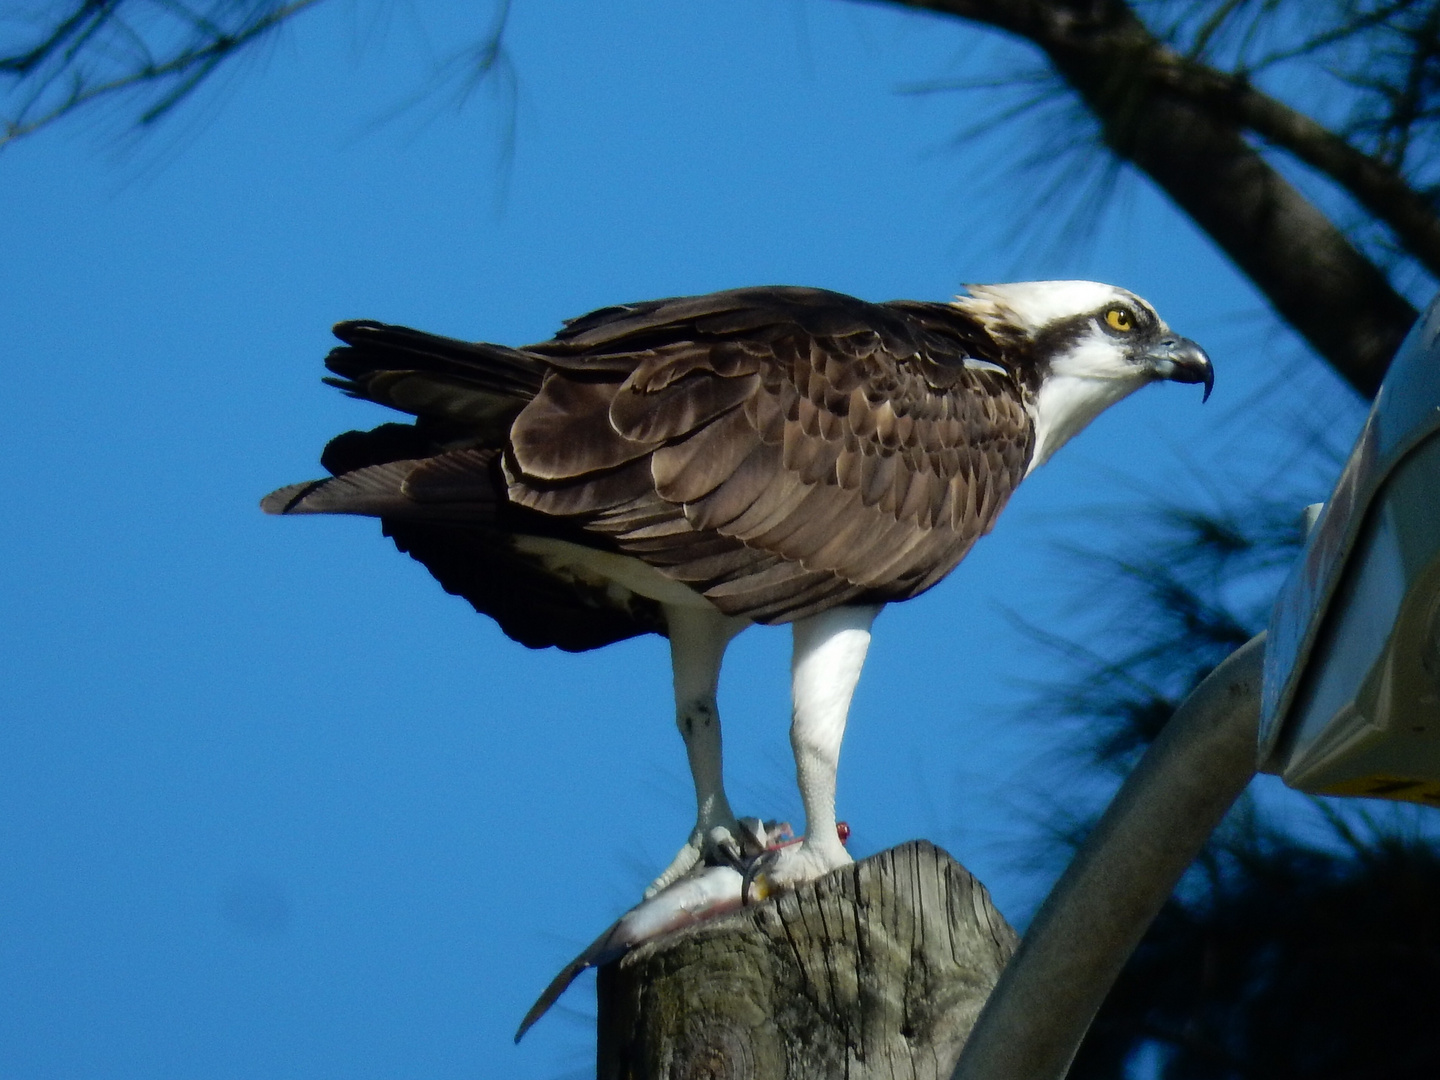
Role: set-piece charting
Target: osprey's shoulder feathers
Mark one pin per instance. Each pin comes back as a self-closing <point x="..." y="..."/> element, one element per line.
<point x="778" y="450"/>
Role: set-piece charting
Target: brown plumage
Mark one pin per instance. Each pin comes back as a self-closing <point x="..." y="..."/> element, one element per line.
<point x="690" y="466"/>
<point x="777" y="450"/>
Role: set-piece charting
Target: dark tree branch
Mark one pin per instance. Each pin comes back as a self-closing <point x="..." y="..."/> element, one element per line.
<point x="1184" y="125"/>
<point x="181" y="72"/>
<point x="1347" y="30"/>
<point x="87" y="17"/>
<point x="161" y="50"/>
<point x="1377" y="186"/>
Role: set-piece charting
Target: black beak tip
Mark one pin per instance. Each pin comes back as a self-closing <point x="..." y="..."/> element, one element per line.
<point x="1184" y="361"/>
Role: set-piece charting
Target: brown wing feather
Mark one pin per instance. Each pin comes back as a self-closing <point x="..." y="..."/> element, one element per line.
<point x="842" y="450"/>
<point x="565" y="431"/>
<point x="678" y="410"/>
<point x="779" y="450"/>
<point x="690" y="469"/>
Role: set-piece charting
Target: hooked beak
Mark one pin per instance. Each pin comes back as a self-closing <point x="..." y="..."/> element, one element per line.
<point x="1181" y="360"/>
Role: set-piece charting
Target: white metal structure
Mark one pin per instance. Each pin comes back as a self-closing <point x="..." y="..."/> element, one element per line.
<point x="1351" y="701"/>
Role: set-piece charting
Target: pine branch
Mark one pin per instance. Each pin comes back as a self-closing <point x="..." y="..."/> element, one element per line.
<point x="1186" y="126"/>
<point x="184" y="70"/>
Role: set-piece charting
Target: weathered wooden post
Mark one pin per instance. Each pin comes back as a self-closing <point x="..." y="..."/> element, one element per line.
<point x="877" y="970"/>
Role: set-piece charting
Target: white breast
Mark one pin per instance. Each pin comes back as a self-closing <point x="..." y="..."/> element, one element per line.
<point x="1066" y="403"/>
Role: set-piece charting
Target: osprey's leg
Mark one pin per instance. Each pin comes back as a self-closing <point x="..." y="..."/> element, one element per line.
<point x="829" y="652"/>
<point x="698" y="637"/>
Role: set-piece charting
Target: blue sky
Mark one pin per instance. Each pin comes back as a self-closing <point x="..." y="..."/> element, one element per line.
<point x="273" y="805"/>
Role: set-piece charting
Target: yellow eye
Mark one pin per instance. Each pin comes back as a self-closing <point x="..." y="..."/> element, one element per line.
<point x="1120" y="319"/>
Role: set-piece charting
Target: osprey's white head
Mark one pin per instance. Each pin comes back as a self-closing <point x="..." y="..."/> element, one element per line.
<point x="1088" y="344"/>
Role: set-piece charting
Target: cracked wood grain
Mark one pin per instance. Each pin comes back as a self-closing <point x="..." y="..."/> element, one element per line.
<point x="875" y="971"/>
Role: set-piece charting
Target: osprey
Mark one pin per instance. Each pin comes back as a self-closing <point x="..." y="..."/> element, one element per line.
<point x="690" y="466"/>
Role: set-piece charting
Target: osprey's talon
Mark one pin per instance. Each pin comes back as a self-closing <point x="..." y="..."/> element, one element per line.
<point x="757" y="866"/>
<point x="724" y="848"/>
<point x="787" y="862"/>
<point x="790" y="865"/>
<point x="758" y="837"/>
<point x="720" y="846"/>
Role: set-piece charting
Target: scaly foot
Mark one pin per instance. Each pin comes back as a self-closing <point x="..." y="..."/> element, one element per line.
<point x="786" y="865"/>
<point x="736" y="845"/>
